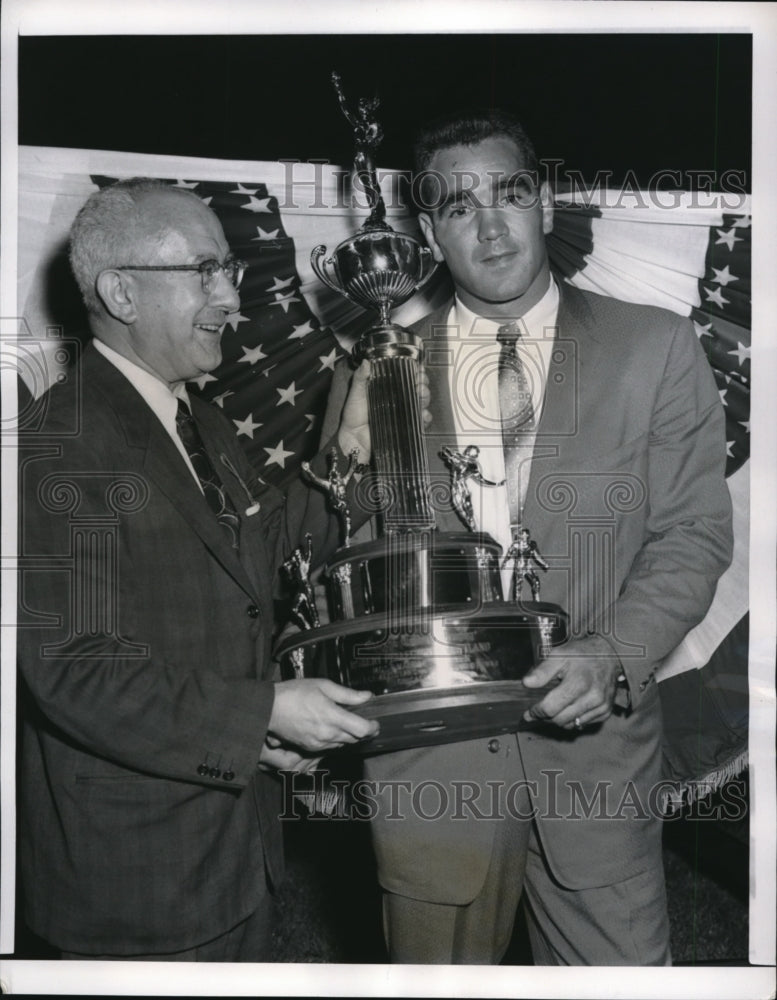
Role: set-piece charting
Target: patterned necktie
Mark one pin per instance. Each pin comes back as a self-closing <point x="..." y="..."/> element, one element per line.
<point x="212" y="487"/>
<point x="518" y="423"/>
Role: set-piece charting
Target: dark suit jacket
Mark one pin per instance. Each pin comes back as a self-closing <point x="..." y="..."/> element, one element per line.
<point x="628" y="504"/>
<point x="144" y="644"/>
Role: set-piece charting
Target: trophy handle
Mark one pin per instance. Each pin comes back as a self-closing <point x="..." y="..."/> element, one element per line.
<point x="320" y="267"/>
<point x="428" y="264"/>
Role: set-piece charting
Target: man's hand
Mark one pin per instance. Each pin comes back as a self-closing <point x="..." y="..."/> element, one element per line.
<point x="275" y="757"/>
<point x="307" y="714"/>
<point x="354" y="430"/>
<point x="585" y="672"/>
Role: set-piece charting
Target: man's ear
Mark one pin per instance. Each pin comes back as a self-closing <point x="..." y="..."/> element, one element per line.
<point x="427" y="228"/>
<point x="546" y="200"/>
<point x="116" y="292"/>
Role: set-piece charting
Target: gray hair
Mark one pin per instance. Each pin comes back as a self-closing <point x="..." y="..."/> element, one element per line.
<point x="107" y="230"/>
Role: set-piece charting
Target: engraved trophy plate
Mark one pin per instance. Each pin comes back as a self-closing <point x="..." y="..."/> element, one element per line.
<point x="418" y="615"/>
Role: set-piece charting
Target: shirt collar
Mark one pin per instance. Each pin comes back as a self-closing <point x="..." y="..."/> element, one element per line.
<point x="157" y="394"/>
<point x="541" y="316"/>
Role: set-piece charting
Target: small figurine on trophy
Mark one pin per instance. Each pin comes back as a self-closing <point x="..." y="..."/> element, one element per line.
<point x="335" y="485"/>
<point x="524" y="552"/>
<point x="464" y="466"/>
<point x="297" y="568"/>
<point x="368" y="135"/>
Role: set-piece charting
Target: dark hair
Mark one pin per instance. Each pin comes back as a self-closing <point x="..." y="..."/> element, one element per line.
<point x="466" y="129"/>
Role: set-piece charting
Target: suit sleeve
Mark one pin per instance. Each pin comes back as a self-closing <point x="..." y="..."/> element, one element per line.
<point x="688" y="541"/>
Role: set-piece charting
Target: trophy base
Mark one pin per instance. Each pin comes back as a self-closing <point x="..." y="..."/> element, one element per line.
<point x="433" y="717"/>
<point x="439" y="675"/>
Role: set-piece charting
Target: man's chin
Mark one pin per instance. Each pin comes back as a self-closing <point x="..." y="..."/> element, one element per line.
<point x="204" y="370"/>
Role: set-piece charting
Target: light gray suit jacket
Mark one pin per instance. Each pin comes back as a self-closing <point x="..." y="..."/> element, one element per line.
<point x="628" y="504"/>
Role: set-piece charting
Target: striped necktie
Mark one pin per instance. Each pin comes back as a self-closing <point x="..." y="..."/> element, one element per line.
<point x="212" y="487"/>
<point x="518" y="422"/>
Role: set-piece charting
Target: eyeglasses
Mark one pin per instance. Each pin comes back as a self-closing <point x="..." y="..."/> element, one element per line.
<point x="208" y="270"/>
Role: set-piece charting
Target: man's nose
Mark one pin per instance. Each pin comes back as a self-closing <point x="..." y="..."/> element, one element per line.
<point x="224" y="294"/>
<point x="491" y="224"/>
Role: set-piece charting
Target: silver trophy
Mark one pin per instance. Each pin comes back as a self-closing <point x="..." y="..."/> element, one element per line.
<point x="417" y="615"/>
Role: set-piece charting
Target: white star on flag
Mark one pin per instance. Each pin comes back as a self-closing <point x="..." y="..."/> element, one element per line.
<point x="203" y="380"/>
<point x="703" y="331"/>
<point x="745" y="424"/>
<point x="284" y="300"/>
<point x="264" y="235"/>
<point x="742" y="352"/>
<point x="743" y="222"/>
<point x="266" y="371"/>
<point x="723" y="393"/>
<point x="247" y="426"/>
<point x="289" y="394"/>
<point x="278" y="455"/>
<point x="298" y="332"/>
<point x="219" y="400"/>
<point x="257" y="205"/>
<point x="186" y="184"/>
<point x="715" y="295"/>
<point x="278" y="284"/>
<point x="729" y="237"/>
<point x="328" y="360"/>
<point x="208" y="200"/>
<point x="234" y="319"/>
<point x="724" y="276"/>
<point x="243" y="190"/>
<point x="729" y="449"/>
<point x="311" y="419"/>
<point x="252" y="354"/>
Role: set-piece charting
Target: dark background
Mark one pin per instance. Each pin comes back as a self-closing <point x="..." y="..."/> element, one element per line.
<point x="618" y="102"/>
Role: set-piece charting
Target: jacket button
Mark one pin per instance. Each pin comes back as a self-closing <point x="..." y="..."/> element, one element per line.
<point x="228" y="776"/>
<point x="494" y="746"/>
<point x="202" y="770"/>
<point x="214" y="772"/>
<point x="252" y="611"/>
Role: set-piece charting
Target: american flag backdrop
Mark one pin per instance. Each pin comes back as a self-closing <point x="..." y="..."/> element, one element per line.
<point x="279" y="352"/>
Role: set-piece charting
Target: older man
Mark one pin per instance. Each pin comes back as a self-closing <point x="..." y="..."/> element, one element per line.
<point x="603" y="421"/>
<point x="152" y="719"/>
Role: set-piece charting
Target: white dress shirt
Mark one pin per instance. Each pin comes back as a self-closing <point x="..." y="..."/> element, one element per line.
<point x="475" y="395"/>
<point x="162" y="400"/>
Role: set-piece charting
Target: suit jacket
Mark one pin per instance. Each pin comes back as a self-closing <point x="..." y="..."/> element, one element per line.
<point x="628" y="504"/>
<point x="145" y="647"/>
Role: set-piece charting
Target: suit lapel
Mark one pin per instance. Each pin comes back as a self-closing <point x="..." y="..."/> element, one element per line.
<point x="565" y="431"/>
<point x="162" y="463"/>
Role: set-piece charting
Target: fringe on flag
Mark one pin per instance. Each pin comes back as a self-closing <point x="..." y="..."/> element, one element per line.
<point x="687" y="792"/>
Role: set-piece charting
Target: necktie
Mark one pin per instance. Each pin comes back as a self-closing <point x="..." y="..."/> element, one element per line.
<point x="212" y="487"/>
<point x="518" y="422"/>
